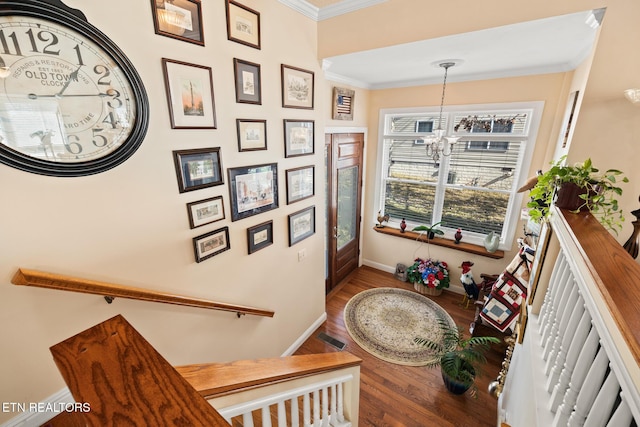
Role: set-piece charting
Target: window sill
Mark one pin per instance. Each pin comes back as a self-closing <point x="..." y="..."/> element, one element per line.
<point x="462" y="246"/>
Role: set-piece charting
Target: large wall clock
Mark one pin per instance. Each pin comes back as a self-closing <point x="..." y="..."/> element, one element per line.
<point x="71" y="103"/>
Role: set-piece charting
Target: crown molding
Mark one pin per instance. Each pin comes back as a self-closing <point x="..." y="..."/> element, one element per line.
<point x="336" y="9"/>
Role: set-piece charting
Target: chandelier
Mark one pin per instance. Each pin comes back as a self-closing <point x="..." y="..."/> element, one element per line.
<point x="438" y="144"/>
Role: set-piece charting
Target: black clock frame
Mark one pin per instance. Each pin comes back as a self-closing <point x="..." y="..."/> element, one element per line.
<point x="75" y="20"/>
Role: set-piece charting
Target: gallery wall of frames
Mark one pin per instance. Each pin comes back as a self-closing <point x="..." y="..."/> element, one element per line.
<point x="252" y="188"/>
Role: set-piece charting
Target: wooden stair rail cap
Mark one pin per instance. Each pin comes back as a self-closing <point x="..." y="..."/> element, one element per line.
<point x="126" y="381"/>
<point x="65" y="283"/>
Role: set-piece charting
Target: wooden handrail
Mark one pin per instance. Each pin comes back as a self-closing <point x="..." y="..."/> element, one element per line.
<point x="65" y="283"/>
<point x="219" y="379"/>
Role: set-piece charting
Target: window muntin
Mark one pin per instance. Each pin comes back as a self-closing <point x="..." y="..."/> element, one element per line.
<point x="473" y="189"/>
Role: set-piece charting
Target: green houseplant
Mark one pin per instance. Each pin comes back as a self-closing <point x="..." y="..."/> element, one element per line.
<point x="431" y="230"/>
<point x="591" y="190"/>
<point x="460" y="359"/>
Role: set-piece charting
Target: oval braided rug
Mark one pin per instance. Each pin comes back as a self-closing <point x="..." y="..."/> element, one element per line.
<point x="384" y="322"/>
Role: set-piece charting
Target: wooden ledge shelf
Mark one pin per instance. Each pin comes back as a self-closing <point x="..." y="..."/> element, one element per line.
<point x="462" y="246"/>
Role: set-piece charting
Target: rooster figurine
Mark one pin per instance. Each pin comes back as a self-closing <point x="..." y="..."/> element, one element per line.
<point x="381" y="219"/>
<point x="470" y="288"/>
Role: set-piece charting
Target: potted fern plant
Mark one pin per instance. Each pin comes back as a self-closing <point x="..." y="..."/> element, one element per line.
<point x="460" y="359"/>
<point x="579" y="187"/>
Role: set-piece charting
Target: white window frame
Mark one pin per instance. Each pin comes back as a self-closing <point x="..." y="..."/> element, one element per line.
<point x="529" y="137"/>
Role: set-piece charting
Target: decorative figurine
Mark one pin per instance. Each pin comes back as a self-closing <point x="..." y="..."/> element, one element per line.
<point x="458" y="236"/>
<point x="381" y="219"/>
<point x="491" y="242"/>
<point x="403" y="225"/>
<point x="472" y="291"/>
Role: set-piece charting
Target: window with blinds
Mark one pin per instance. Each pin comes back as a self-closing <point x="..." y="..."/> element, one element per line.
<point x="474" y="188"/>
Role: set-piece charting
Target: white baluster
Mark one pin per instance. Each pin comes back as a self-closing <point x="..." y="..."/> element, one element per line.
<point x="551" y="331"/>
<point x="316" y="408"/>
<point x="341" y="402"/>
<point x="603" y="405"/>
<point x="333" y="412"/>
<point x="590" y="389"/>
<point x="306" y="410"/>
<point x="552" y="292"/>
<point x="295" y="415"/>
<point x="565" y="315"/>
<point x="266" y="417"/>
<point x="325" y="407"/>
<point x="247" y="419"/>
<point x="585" y="360"/>
<point x="574" y="351"/>
<point x="622" y="417"/>
<point x="282" y="414"/>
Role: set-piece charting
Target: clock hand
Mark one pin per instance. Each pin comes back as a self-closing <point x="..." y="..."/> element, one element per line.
<point x="73" y="76"/>
<point x="34" y="96"/>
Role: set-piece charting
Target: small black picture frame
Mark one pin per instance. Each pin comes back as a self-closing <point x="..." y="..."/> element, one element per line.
<point x="302" y="224"/>
<point x="178" y="19"/>
<point x="211" y="244"/>
<point x="198" y="168"/>
<point x="253" y="190"/>
<point x="248" y="82"/>
<point x="259" y="236"/>
<point x="299" y="137"/>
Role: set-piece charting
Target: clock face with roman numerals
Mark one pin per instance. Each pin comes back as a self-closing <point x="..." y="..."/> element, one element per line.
<point x="71" y="103"/>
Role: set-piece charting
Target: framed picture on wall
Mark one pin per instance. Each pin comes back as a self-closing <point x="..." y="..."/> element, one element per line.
<point x="178" y="19"/>
<point x="211" y="244"/>
<point x="205" y="211"/>
<point x="302" y="224"/>
<point x="298" y="137"/>
<point x="253" y="190"/>
<point x="259" y="236"/>
<point x="248" y="85"/>
<point x="243" y="24"/>
<point x="189" y="90"/>
<point x="297" y="87"/>
<point x="343" y="100"/>
<point x="300" y="183"/>
<point x="252" y="134"/>
<point x="198" y="168"/>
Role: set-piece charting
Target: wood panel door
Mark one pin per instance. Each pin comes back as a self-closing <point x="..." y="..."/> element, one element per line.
<point x="344" y="184"/>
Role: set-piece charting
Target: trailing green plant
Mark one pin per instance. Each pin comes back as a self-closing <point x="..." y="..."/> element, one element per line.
<point x="431" y="230"/>
<point x="458" y="357"/>
<point x="599" y="195"/>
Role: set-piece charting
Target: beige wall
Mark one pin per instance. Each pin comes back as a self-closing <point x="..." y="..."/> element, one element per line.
<point x="129" y="225"/>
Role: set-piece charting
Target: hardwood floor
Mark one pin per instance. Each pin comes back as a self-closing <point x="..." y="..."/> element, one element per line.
<point x="396" y="395"/>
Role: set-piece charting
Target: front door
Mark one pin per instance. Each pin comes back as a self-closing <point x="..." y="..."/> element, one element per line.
<point x="344" y="184"/>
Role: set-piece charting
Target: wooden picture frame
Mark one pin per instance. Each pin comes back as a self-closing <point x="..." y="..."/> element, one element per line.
<point x="211" y="244"/>
<point x="190" y="98"/>
<point x="343" y="101"/>
<point x="178" y="19"/>
<point x="205" y="211"/>
<point x="300" y="183"/>
<point x="243" y="24"/>
<point x="259" y="236"/>
<point x="198" y="168"/>
<point x="253" y="190"/>
<point x="302" y="224"/>
<point x="297" y="87"/>
<point x="248" y="82"/>
<point x="299" y="137"/>
<point x="252" y="134"/>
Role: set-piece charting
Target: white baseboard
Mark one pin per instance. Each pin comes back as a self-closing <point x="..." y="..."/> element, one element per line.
<point x="35" y="419"/>
<point x="310" y="330"/>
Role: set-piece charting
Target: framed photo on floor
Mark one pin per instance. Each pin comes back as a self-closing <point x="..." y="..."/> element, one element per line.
<point x="198" y="168"/>
<point x="302" y="224"/>
<point x="253" y="190"/>
<point x="300" y="183"/>
<point x="179" y="19"/>
<point x="243" y="24"/>
<point x="297" y="87"/>
<point x="248" y="84"/>
<point x="252" y="134"/>
<point x="298" y="137"/>
<point x="259" y="236"/>
<point x="205" y="211"/>
<point x="189" y="90"/>
<point x="211" y="244"/>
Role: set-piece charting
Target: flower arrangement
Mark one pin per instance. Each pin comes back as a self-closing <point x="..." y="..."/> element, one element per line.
<point x="432" y="273"/>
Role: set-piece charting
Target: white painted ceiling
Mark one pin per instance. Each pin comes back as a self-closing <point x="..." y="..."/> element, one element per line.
<point x="550" y="45"/>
